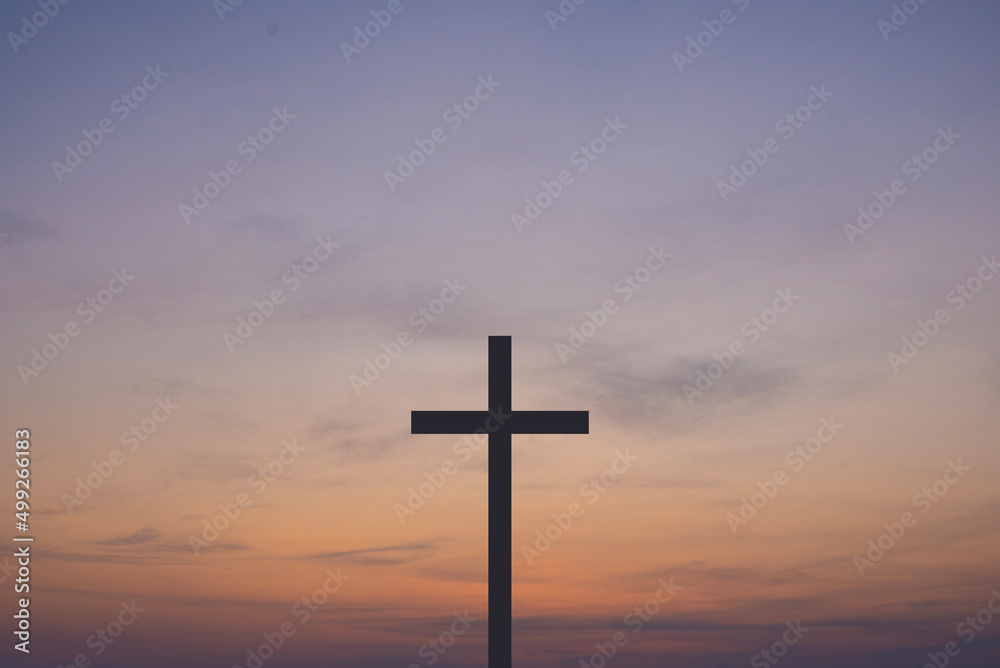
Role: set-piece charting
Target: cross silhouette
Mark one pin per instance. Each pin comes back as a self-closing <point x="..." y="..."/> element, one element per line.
<point x="511" y="422"/>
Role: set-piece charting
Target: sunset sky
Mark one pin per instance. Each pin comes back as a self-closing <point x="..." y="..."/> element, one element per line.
<point x="239" y="243"/>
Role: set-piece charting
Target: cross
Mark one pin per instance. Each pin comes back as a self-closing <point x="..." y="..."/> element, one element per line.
<point x="512" y="422"/>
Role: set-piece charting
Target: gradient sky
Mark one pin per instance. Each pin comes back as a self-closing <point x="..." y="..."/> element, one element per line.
<point x="323" y="176"/>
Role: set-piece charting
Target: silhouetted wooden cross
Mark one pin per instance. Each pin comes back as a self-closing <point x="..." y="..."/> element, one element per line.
<point x="511" y="422"/>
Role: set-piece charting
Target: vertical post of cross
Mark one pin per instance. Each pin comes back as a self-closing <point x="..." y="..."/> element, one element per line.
<point x="500" y="497"/>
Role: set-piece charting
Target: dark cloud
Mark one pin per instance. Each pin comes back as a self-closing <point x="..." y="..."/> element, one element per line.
<point x="144" y="535"/>
<point x="390" y="555"/>
<point x="648" y="389"/>
<point x="15" y="228"/>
